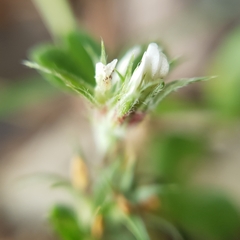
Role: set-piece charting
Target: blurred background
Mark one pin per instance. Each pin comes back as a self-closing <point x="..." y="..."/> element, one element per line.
<point x="40" y="127"/>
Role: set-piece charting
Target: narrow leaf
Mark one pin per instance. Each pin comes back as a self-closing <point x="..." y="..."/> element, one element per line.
<point x="165" y="226"/>
<point x="136" y="226"/>
<point x="174" y="86"/>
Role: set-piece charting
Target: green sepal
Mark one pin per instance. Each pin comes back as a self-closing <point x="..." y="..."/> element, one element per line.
<point x="103" y="58"/>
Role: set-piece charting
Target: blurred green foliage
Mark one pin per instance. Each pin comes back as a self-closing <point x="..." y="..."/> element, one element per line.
<point x="65" y="223"/>
<point x="222" y="93"/>
<point x="175" y="155"/>
<point x="26" y="93"/>
<point x="198" y="213"/>
<point x="120" y="195"/>
<point x="204" y="214"/>
<point x="161" y="192"/>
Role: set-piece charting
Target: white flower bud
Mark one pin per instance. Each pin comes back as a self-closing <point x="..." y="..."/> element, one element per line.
<point x="125" y="60"/>
<point x="154" y="66"/>
<point x="103" y="75"/>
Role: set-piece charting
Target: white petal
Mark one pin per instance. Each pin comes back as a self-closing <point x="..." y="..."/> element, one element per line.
<point x="109" y="68"/>
<point x="103" y="75"/>
<point x="154" y="60"/>
<point x="138" y="74"/>
<point x="125" y="60"/>
<point x="100" y="72"/>
<point x="164" y="66"/>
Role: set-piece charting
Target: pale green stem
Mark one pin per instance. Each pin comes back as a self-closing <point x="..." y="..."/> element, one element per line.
<point x="57" y="16"/>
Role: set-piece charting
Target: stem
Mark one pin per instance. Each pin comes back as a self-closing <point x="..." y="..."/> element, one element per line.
<point x="57" y="16"/>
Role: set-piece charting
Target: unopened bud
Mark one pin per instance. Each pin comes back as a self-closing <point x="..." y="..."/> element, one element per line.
<point x="151" y="204"/>
<point x="123" y="204"/>
<point x="154" y="66"/>
<point x="79" y="173"/>
<point x="124" y="62"/>
<point x="145" y="82"/>
<point x="97" y="227"/>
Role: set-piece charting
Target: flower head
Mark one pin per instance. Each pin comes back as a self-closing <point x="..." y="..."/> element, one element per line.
<point x="128" y="91"/>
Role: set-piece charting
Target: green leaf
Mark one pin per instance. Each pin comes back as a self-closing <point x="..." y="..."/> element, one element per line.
<point x="70" y="81"/>
<point x="70" y="65"/>
<point x="92" y="47"/>
<point x="174" y="86"/>
<point x="136" y="226"/>
<point x="65" y="223"/>
<point x="205" y="214"/>
<point x="103" y="187"/>
<point x="55" y="58"/>
<point x="76" y="45"/>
